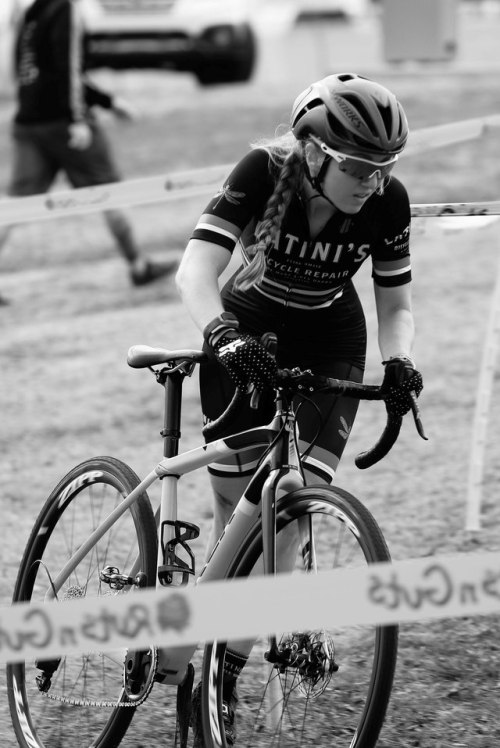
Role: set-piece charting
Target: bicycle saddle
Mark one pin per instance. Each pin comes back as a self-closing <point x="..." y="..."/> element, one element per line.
<point x="142" y="356"/>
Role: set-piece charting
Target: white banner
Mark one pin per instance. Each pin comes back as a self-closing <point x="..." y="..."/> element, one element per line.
<point x="413" y="590"/>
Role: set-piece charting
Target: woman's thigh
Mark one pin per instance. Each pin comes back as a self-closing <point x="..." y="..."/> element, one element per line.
<point x="325" y="421"/>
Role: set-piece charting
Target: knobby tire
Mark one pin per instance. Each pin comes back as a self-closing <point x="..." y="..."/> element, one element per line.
<point x="288" y="708"/>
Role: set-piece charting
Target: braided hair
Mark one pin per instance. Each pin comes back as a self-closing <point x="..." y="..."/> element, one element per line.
<point x="287" y="155"/>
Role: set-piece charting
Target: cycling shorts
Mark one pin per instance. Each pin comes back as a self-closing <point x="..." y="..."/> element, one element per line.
<point x="324" y="420"/>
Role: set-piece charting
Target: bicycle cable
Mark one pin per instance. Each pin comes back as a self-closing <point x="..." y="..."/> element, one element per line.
<point x="305" y="398"/>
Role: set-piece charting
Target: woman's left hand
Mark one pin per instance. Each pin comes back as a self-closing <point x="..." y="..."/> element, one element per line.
<point x="400" y="379"/>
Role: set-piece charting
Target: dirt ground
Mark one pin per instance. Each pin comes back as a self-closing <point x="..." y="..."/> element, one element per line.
<point x="67" y="393"/>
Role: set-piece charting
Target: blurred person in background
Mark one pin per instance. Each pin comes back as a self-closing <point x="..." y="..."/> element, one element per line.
<point x="54" y="128"/>
<point x="307" y="209"/>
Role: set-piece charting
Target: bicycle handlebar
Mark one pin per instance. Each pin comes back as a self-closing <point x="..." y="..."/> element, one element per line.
<point x="294" y="382"/>
<point x="304" y="382"/>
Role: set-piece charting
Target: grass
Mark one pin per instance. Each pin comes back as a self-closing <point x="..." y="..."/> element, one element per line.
<point x="67" y="394"/>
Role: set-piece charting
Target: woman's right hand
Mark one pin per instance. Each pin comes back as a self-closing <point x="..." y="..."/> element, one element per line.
<point x="244" y="357"/>
<point x="246" y="360"/>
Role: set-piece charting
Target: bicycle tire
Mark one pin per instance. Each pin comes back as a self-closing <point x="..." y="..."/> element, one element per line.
<point x="82" y="498"/>
<point x="343" y="709"/>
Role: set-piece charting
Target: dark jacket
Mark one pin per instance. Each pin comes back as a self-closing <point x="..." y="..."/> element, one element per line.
<point x="49" y="66"/>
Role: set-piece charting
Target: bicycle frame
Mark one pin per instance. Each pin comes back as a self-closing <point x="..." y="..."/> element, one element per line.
<point x="279" y="471"/>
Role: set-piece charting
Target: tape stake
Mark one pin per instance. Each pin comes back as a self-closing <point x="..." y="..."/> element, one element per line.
<point x="412" y="590"/>
<point x="482" y="412"/>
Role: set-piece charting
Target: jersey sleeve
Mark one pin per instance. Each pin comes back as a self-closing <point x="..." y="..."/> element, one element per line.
<point x="391" y="264"/>
<point x="241" y="199"/>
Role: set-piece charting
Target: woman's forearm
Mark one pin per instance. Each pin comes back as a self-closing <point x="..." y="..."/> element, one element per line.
<point x="197" y="281"/>
<point x="396" y="334"/>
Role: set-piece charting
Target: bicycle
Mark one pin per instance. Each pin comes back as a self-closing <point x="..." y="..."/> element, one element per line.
<point x="97" y="535"/>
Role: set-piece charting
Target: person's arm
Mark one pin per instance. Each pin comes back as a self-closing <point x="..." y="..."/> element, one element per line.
<point x="65" y="37"/>
<point x="66" y="41"/>
<point x="197" y="280"/>
<point x="401" y="380"/>
<point x="396" y="327"/>
<point x="244" y="357"/>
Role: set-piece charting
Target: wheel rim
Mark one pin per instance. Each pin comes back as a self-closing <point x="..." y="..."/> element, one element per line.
<point x="65" y="715"/>
<point x="316" y="704"/>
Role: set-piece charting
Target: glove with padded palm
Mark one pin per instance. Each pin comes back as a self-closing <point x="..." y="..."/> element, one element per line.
<point x="243" y="356"/>
<point x="400" y="378"/>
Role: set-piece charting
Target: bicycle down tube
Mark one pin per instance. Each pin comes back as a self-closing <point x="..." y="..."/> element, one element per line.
<point x="169" y="469"/>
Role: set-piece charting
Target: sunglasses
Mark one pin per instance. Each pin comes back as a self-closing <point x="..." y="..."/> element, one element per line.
<point x="355" y="166"/>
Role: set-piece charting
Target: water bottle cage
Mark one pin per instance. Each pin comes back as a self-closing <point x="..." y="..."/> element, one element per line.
<point x="172" y="563"/>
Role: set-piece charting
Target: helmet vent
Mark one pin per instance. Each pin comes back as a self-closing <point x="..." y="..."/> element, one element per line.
<point x="387" y="117"/>
<point x="344" y="77"/>
<point x="362" y="111"/>
<point x="337" y="127"/>
<point x="311" y="105"/>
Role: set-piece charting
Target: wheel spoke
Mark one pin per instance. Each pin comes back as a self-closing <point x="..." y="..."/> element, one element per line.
<point x="325" y="687"/>
<point x="65" y="715"/>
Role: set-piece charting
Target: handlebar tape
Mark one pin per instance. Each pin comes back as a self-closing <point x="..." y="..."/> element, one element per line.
<point x="383" y="446"/>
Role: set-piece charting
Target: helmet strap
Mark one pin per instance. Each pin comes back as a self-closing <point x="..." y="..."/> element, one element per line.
<point x="316" y="182"/>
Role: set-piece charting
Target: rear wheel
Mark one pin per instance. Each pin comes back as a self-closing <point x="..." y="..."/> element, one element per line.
<point x="80" y="706"/>
<point x="331" y="686"/>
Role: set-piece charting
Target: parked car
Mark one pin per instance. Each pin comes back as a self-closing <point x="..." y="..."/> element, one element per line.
<point x="213" y="39"/>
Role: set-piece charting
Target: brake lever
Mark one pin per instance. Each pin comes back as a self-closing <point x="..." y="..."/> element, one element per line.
<point x="255" y="399"/>
<point x="416" y="415"/>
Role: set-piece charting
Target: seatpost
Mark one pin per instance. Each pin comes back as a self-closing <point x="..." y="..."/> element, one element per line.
<point x="171" y="432"/>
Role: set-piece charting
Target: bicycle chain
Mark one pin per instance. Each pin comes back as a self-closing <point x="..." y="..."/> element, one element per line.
<point x="111" y="704"/>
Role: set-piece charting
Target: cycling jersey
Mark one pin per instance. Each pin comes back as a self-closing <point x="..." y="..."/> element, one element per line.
<point x="306" y="294"/>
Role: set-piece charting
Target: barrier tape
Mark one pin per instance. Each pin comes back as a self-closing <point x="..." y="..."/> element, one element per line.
<point x="198" y="182"/>
<point x="439" y="136"/>
<point x="158" y="189"/>
<point x="110" y="196"/>
<point x="488" y="208"/>
<point x="406" y="591"/>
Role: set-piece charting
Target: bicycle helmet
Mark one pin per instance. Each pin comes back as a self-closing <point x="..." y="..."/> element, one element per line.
<point x="352" y="114"/>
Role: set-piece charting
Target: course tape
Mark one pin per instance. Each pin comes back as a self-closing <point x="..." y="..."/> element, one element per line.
<point x="412" y="590"/>
<point x="110" y="196"/>
<point x="149" y="190"/>
<point x="443" y="210"/>
<point x="198" y="182"/>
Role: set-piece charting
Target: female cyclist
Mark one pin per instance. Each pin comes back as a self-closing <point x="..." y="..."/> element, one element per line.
<point x="307" y="208"/>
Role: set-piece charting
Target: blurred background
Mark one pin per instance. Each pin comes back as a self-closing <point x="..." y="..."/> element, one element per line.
<point x="271" y="42"/>
<point x="206" y="77"/>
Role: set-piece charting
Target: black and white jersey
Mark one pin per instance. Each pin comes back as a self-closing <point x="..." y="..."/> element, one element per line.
<point x="304" y="272"/>
<point x="306" y="293"/>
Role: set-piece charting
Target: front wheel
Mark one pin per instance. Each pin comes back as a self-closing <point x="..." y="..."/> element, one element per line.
<point x="331" y="686"/>
<point x="80" y="701"/>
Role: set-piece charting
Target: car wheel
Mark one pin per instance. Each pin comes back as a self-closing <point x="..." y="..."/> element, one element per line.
<point x="235" y="67"/>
